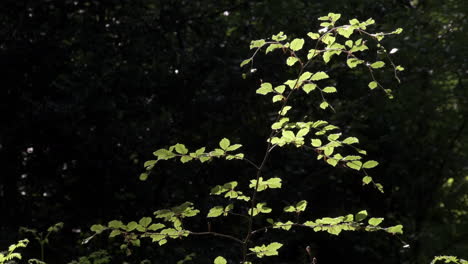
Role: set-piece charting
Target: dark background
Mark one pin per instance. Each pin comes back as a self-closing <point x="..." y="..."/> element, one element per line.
<point x="92" y="88"/>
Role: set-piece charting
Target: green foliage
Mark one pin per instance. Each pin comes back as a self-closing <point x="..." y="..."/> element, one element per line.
<point x="42" y="238"/>
<point x="320" y="137"/>
<point x="10" y="254"/>
<point x="448" y="259"/>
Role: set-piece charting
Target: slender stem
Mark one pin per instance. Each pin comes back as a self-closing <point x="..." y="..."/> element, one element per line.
<point x="42" y="250"/>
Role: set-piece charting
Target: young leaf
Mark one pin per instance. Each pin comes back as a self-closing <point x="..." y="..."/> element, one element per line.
<point x="313" y="35"/>
<point x="319" y="76"/>
<point x="312" y="53"/>
<point x="375" y="221"/>
<point x="316" y="142"/>
<point x="224" y="143"/>
<point x="353" y="62"/>
<point x="366" y="180"/>
<point x="215" y="211"/>
<point x="220" y="260"/>
<point x="398" y="229"/>
<point x="244" y="62"/>
<point x="324" y="105"/>
<point x="181" y="149"/>
<point x="377" y="64"/>
<point x="297" y="44"/>
<point x="370" y="164"/>
<point x="280" y="89"/>
<point x="279" y="37"/>
<point x="361" y="216"/>
<point x="145" y="221"/>
<point x="356" y="165"/>
<point x="257" y="43"/>
<point x="345" y="31"/>
<point x="351" y="140"/>
<point x="273" y="47"/>
<point x="291" y="60"/>
<point x="329" y="89"/>
<point x="372" y="85"/>
<point x="265" y="88"/>
<point x="308" y="87"/>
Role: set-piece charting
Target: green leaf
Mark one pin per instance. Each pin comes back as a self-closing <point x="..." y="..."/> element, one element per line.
<point x="302" y="132"/>
<point x="301" y="206"/>
<point x="316" y="142"/>
<point x="324" y="105"/>
<point x="319" y="76"/>
<point x="115" y="224"/>
<point x="323" y="18"/>
<point x="145" y="221"/>
<point x="297" y="44"/>
<point x="220" y="260"/>
<point x="154" y="227"/>
<point x="115" y="233"/>
<point x="349" y="43"/>
<point x="313" y="35"/>
<point x="372" y="85"/>
<point x="333" y="137"/>
<point x="270" y="250"/>
<point x="285" y="110"/>
<point x="345" y="31"/>
<point x="143" y="176"/>
<point x="273" y="47"/>
<point x="399" y="68"/>
<point x="98" y="228"/>
<point x="354" y="21"/>
<point x="244" y="62"/>
<point x="329" y="89"/>
<point x="366" y="180"/>
<point x="288" y="135"/>
<point x="224" y="143"/>
<point x="280" y="89"/>
<point x="370" y="164"/>
<point x="334" y="17"/>
<point x="257" y="43"/>
<point x="332" y="162"/>
<point x="233" y="147"/>
<point x="279" y="37"/>
<point x="379" y="187"/>
<point x="305" y="76"/>
<point x="181" y="149"/>
<point x="353" y="62"/>
<point x="291" y="60"/>
<point x="375" y="221"/>
<point x="350" y="140"/>
<point x="377" y="64"/>
<point x="360" y="216"/>
<point x="398" y="31"/>
<point x="312" y="53"/>
<point x="291" y="83"/>
<point x="185" y="159"/>
<point x="278" y="98"/>
<point x="398" y="229"/>
<point x="265" y="88"/>
<point x="289" y="209"/>
<point x="149" y="164"/>
<point x="327" y="150"/>
<point x="215" y="211"/>
<point x="308" y="87"/>
<point x="132" y="225"/>
<point x="356" y="165"/>
<point x="328" y="39"/>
